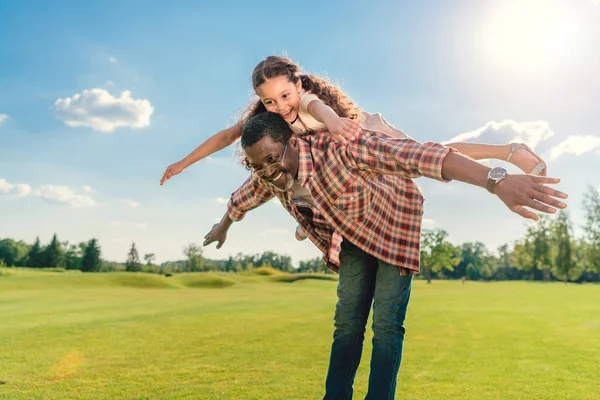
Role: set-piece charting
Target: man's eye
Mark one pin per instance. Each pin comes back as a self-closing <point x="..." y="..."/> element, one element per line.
<point x="285" y="95"/>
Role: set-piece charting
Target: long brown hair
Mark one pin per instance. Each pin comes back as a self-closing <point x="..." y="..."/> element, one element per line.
<point x="274" y="66"/>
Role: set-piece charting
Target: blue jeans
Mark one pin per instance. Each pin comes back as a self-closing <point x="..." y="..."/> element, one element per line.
<point x="364" y="280"/>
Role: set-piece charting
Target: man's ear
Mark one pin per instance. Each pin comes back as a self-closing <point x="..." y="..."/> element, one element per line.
<point x="293" y="141"/>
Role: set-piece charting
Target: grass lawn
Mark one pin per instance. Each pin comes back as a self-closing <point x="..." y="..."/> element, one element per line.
<point x="198" y="336"/>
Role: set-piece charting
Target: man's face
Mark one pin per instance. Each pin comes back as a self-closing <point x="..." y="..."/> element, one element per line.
<point x="273" y="162"/>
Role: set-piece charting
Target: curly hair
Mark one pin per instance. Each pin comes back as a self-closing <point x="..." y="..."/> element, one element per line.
<point x="334" y="97"/>
<point x="259" y="126"/>
<point x="265" y="124"/>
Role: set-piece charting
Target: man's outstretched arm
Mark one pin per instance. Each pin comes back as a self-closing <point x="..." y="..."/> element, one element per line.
<point x="516" y="191"/>
<point x="411" y="159"/>
<point x="249" y="196"/>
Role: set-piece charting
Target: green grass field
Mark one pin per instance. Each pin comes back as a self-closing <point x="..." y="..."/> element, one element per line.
<point x="196" y="336"/>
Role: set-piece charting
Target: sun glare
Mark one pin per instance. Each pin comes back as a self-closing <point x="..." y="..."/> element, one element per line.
<point x="532" y="35"/>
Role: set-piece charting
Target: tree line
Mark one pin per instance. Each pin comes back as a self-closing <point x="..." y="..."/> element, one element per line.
<point x="548" y="251"/>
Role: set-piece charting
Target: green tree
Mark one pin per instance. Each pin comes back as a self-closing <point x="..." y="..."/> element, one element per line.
<point x="436" y="253"/>
<point x="565" y="267"/>
<point x="9" y="252"/>
<point x="91" y="261"/>
<point x="34" y="257"/>
<point x="53" y="254"/>
<point x="314" y="265"/>
<point x="504" y="263"/>
<point x="193" y="252"/>
<point x="473" y="259"/>
<point x="149" y="258"/>
<point x="74" y="255"/>
<point x="591" y="206"/>
<point x="540" y="237"/>
<point x="523" y="256"/>
<point x="133" y="260"/>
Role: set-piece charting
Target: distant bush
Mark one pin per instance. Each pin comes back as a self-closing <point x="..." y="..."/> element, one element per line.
<point x="53" y="269"/>
<point x="4" y="272"/>
<point x="201" y="280"/>
<point x="138" y="280"/>
<point x="266" y="271"/>
<point x="297" y="277"/>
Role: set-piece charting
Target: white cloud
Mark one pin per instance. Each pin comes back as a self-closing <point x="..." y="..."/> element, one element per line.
<point x="19" y="189"/>
<point x="87" y="189"/>
<point x="221" y="200"/>
<point x="130" y="203"/>
<point x="428" y="221"/>
<point x="3" y="117"/>
<point x="109" y="83"/>
<point x="112" y="59"/>
<point x="576" y="145"/>
<point x="141" y="225"/>
<point x="98" y="109"/>
<point x="530" y="133"/>
<point x="64" y="195"/>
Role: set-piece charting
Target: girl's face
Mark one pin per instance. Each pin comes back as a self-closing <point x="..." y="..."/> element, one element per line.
<point x="282" y="96"/>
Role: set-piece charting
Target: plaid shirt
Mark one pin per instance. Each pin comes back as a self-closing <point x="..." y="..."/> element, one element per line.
<point x="362" y="192"/>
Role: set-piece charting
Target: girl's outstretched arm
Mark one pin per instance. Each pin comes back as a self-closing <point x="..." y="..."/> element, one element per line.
<point x="340" y="128"/>
<point x="518" y="154"/>
<point x="217" y="142"/>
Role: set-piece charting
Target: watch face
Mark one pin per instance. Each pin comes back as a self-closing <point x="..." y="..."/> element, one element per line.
<point x="497" y="173"/>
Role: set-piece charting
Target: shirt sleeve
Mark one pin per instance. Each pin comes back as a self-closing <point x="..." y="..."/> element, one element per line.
<point x="305" y="99"/>
<point x="249" y="196"/>
<point x="404" y="157"/>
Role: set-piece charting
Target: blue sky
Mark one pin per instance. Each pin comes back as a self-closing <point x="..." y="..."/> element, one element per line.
<point x="170" y="75"/>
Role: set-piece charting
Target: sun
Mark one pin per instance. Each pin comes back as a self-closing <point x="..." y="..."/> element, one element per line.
<point x="531" y="35"/>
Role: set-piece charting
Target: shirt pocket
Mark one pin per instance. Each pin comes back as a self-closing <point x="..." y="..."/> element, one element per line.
<point x="355" y="202"/>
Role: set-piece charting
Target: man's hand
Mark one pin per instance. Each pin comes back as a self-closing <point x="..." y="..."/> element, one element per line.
<point x="217" y="234"/>
<point x="520" y="191"/>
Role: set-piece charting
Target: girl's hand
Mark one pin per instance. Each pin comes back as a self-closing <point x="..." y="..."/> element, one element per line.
<point x="217" y="234"/>
<point x="171" y="171"/>
<point x="343" y="129"/>
<point x="529" y="162"/>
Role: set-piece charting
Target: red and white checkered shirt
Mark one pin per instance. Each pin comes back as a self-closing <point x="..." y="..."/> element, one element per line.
<point x="362" y="191"/>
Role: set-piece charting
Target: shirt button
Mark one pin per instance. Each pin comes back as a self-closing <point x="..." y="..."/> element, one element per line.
<point x="351" y="198"/>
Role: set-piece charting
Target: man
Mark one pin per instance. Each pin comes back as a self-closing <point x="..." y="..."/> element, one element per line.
<point x="358" y="204"/>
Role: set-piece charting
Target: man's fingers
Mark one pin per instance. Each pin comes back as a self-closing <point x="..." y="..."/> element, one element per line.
<point x="219" y="244"/>
<point x="525" y="213"/>
<point x="536" y="205"/>
<point x="549" y="200"/>
<point x="545" y="180"/>
<point x="550" y="191"/>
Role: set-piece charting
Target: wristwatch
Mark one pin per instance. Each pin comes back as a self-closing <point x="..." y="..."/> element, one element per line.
<point x="494" y="176"/>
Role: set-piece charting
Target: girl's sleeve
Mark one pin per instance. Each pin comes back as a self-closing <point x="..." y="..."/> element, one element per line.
<point x="305" y="99"/>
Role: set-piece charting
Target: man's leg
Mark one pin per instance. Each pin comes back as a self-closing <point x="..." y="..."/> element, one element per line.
<point x="355" y="295"/>
<point x="392" y="293"/>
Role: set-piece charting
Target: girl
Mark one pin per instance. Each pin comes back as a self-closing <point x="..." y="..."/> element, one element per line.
<point x="309" y="103"/>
